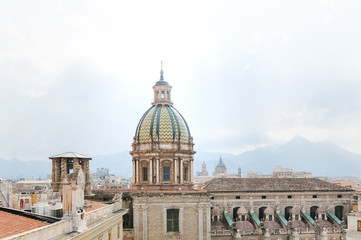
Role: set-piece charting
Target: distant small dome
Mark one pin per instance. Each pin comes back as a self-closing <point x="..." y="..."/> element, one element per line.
<point x="321" y="210"/>
<point x="295" y="210"/>
<point x="220" y="164"/>
<point x="269" y="210"/>
<point x="215" y="211"/>
<point x="241" y="211"/>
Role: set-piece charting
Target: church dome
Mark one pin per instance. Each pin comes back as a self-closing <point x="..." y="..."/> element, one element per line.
<point x="220" y="164"/>
<point x="163" y="123"/>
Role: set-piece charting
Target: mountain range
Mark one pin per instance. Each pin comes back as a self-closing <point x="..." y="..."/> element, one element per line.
<point x="300" y="154"/>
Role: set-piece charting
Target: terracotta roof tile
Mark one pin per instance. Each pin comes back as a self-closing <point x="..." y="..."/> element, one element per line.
<point x="12" y="224"/>
<point x="272" y="185"/>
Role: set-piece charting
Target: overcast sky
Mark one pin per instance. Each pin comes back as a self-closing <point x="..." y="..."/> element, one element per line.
<point x="78" y="75"/>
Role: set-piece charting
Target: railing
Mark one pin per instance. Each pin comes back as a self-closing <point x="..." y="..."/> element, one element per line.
<point x="102" y="211"/>
<point x="223" y="232"/>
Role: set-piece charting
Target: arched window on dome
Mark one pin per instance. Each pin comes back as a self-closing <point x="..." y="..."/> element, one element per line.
<point x="162" y="94"/>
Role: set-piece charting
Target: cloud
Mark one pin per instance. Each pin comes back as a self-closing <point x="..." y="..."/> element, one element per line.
<point x="244" y="74"/>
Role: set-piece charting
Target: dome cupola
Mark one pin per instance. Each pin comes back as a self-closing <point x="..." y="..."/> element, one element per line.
<point x="162" y="91"/>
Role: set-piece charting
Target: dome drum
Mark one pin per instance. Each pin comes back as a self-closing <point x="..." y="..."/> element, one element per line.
<point x="171" y="147"/>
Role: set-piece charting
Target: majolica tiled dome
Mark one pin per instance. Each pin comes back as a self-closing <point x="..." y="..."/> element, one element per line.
<point x="163" y="123"/>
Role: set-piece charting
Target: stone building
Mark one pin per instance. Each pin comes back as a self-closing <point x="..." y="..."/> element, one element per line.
<point x="64" y="164"/>
<point x="165" y="206"/>
<point x="221" y="168"/>
<point x="277" y="207"/>
<point x="280" y="172"/>
<point x="102" y="173"/>
<point x="353" y="231"/>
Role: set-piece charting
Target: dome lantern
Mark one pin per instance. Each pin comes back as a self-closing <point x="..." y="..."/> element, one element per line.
<point x="162" y="90"/>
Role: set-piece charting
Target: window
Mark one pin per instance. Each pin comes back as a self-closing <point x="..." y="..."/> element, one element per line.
<point x="185" y="171"/>
<point x="69" y="165"/>
<point x="263" y="197"/>
<point x="157" y="94"/>
<point x="167" y="95"/>
<point x="162" y="94"/>
<point x="297" y="217"/>
<point x="172" y="220"/>
<point x="215" y="218"/>
<point x="323" y="217"/>
<point x="313" y="212"/>
<point x="238" y="197"/>
<point x="289" y="196"/>
<point x="243" y="218"/>
<point x="270" y="217"/>
<point x="358" y="225"/>
<point x="314" y="196"/>
<point x="339" y="196"/>
<point x="109" y="235"/>
<point x="145" y="174"/>
<point x="166" y="172"/>
<point x="118" y="232"/>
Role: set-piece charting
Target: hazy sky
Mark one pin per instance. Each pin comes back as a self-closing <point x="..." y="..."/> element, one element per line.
<point x="78" y="75"/>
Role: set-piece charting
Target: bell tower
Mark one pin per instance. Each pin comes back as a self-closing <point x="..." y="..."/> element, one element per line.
<point x="66" y="163"/>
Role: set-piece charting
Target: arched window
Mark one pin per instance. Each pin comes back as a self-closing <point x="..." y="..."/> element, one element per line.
<point x="313" y="212"/>
<point x="235" y="217"/>
<point x="261" y="215"/>
<point x="287" y="212"/>
<point x="339" y="212"/>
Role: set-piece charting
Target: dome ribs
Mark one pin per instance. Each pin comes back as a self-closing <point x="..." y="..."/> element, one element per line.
<point x="158" y="120"/>
<point x="185" y="122"/>
<point x="152" y="122"/>
<point x="137" y="132"/>
<point x="171" y="118"/>
<point x="176" y="119"/>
